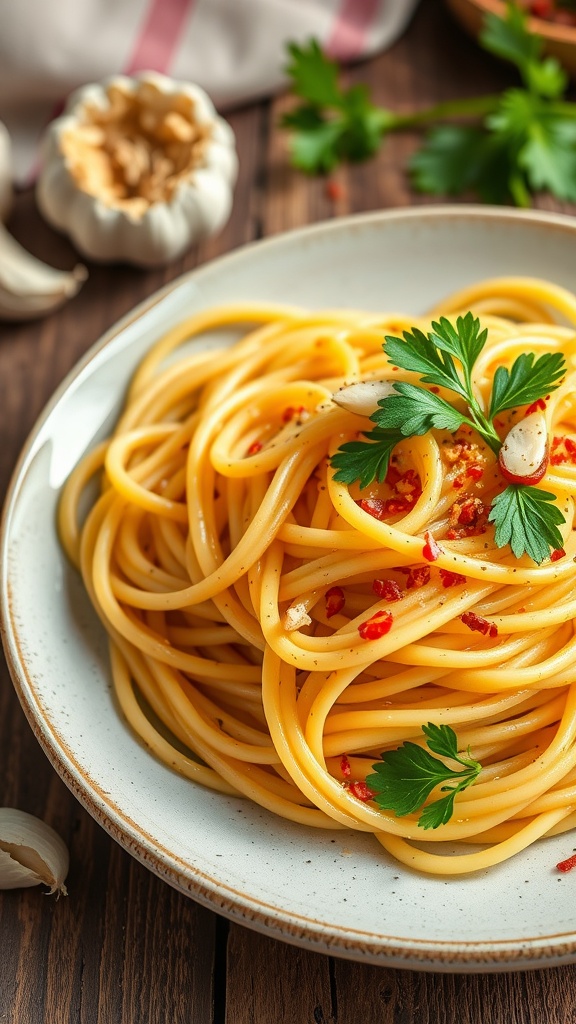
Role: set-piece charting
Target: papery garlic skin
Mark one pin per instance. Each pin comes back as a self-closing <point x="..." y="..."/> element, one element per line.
<point x="132" y="228"/>
<point x="31" y="852"/>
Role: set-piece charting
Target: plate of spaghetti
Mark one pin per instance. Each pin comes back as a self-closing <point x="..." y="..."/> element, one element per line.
<point x="288" y="587"/>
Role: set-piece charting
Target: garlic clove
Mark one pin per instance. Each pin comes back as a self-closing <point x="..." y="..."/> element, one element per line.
<point x="6" y="190"/>
<point x="28" y="287"/>
<point x="31" y="852"/>
<point x="363" y="396"/>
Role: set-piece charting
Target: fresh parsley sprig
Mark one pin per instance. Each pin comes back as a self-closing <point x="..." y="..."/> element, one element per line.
<point x="524" y="517"/>
<point x="405" y="778"/>
<point x="511" y="145"/>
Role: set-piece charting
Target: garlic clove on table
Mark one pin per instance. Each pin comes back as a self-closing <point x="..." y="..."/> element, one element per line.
<point x="6" y="190"/>
<point x="28" y="287"/>
<point x="31" y="852"/>
<point x="137" y="169"/>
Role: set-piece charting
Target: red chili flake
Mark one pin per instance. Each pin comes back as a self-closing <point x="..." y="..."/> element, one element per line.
<point x="334" y="601"/>
<point x="345" y="766"/>
<point x="375" y="507"/>
<point x="458" y="483"/>
<point x="468" y="518"/>
<point x="556" y="554"/>
<point x="435" y="390"/>
<point x="380" y="509"/>
<point x="291" y="411"/>
<point x="475" y="472"/>
<point x="499" y="423"/>
<point x="563" y="449"/>
<point x="542" y="8"/>
<point x="377" y="626"/>
<point x="568" y="864"/>
<point x="431" y="550"/>
<point x="478" y="624"/>
<point x="409" y="485"/>
<point x="418" y="576"/>
<point x="395" y="506"/>
<point x="334" y="190"/>
<point x="538" y="406"/>
<point x="360" y="791"/>
<point x="458" y="533"/>
<point x="393" y="475"/>
<point x="387" y="590"/>
<point x="470" y="512"/>
<point x="451" y="579"/>
<point x="254" y="448"/>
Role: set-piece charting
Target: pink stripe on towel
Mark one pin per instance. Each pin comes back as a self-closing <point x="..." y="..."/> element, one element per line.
<point x="351" y="25"/>
<point x="159" y="36"/>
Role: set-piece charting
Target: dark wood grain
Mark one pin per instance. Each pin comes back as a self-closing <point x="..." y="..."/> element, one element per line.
<point x="124" y="948"/>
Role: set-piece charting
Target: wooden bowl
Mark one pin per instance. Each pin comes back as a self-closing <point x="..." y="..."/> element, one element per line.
<point x="560" y="40"/>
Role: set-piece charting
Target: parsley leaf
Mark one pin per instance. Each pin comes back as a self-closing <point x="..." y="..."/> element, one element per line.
<point x="446" y="164"/>
<point x="405" y="778"/>
<point x="548" y="155"/>
<point x="357" y="460"/>
<point x="416" y="411"/>
<point x="526" y="519"/>
<point x="507" y="38"/>
<point x="510" y="39"/>
<point x="313" y="145"/>
<point x="458" y="158"/>
<point x="465" y="341"/>
<point x="314" y="76"/>
<point x="333" y="124"/>
<point x="526" y="381"/>
<point x="419" y="353"/>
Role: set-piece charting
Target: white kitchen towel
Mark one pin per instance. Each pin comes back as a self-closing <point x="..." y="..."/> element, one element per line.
<point x="235" y="49"/>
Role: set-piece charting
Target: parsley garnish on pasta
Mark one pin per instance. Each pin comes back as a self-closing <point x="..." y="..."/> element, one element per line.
<point x="524" y="516"/>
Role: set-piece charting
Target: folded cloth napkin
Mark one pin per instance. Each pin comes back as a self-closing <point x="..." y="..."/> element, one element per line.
<point x="234" y="49"/>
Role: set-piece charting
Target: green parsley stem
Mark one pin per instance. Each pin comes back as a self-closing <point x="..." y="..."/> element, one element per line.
<point x="482" y="425"/>
<point x="477" y="106"/>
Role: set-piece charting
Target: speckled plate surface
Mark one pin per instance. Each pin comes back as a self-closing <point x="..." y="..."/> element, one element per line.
<point x="333" y="892"/>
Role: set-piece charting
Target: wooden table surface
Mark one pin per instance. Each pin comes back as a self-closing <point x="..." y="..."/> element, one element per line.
<point x="124" y="946"/>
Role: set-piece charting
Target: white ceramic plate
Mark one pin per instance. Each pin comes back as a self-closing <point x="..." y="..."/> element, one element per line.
<point x="332" y="892"/>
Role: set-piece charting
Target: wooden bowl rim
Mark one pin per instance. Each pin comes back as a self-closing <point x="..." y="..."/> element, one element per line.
<point x="546" y="29"/>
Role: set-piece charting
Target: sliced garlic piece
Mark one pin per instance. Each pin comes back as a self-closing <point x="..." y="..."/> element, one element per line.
<point x="296" y="617"/>
<point x="363" y="396"/>
<point x="523" y="457"/>
<point x="31" y="852"/>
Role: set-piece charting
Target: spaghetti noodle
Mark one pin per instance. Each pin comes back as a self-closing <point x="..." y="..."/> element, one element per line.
<point x="272" y="631"/>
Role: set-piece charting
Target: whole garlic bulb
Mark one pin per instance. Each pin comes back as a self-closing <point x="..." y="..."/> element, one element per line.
<point x="137" y="169"/>
<point x="31" y="852"/>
